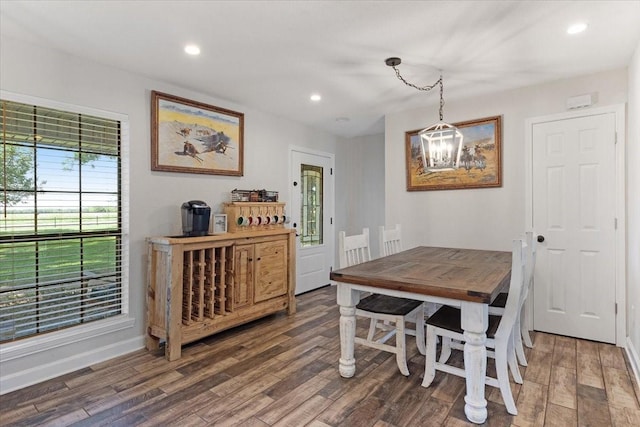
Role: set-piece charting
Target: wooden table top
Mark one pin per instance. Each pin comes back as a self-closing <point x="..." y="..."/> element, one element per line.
<point x="462" y="274"/>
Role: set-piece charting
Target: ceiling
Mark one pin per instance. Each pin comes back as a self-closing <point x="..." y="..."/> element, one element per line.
<point x="271" y="55"/>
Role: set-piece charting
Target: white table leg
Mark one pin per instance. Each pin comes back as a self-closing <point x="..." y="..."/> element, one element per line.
<point x="347" y="299"/>
<point x="475" y="320"/>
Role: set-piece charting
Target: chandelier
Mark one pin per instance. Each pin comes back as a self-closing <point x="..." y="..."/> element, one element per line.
<point x="440" y="143"/>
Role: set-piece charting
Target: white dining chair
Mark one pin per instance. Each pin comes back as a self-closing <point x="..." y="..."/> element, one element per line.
<point x="521" y="333"/>
<point x="381" y="309"/>
<point x="446" y="323"/>
<point x="390" y="240"/>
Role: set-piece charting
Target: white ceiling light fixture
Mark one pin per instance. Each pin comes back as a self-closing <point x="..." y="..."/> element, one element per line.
<point x="192" y="49"/>
<point x="576" y="28"/>
<point x="315" y="97"/>
<point x="440" y="143"/>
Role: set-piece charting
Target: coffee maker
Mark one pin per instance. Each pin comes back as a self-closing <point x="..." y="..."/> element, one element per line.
<point x="195" y="218"/>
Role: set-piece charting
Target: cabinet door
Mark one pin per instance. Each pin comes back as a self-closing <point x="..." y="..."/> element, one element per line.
<point x="270" y="270"/>
<point x="243" y="275"/>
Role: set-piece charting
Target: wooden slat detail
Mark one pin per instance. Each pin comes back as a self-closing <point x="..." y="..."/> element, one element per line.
<point x="562" y="389"/>
<point x="229" y="277"/>
<point x="133" y="390"/>
<point x="564" y="352"/>
<point x="544" y="343"/>
<point x="13" y="415"/>
<point x="450" y="389"/>
<point x="187" y="287"/>
<point x="588" y="364"/>
<point x="209" y="282"/>
<point x="245" y="411"/>
<point x="221" y="284"/>
<point x="431" y="412"/>
<point x="191" y="420"/>
<point x="163" y="414"/>
<point x="531" y="404"/>
<point x="218" y="411"/>
<point x="539" y="370"/>
<point x="592" y="412"/>
<point x="341" y="408"/>
<point x="288" y="403"/>
<point x="611" y="356"/>
<point x="367" y="412"/>
<point x="560" y="416"/>
<point x="199" y="301"/>
<point x="619" y="388"/>
<point x="624" y="417"/>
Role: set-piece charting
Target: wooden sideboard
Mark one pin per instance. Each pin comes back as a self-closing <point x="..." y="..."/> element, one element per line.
<point x="197" y="286"/>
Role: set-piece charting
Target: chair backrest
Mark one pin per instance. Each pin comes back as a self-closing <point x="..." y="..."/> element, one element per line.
<point x="390" y="240"/>
<point x="530" y="262"/>
<point x="354" y="249"/>
<point x="514" y="299"/>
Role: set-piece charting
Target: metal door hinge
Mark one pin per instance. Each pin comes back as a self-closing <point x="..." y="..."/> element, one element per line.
<point x="615" y="223"/>
<point x="330" y="171"/>
<point x="616" y="308"/>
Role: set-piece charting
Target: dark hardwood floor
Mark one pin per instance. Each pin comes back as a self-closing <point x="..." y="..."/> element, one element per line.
<point x="283" y="371"/>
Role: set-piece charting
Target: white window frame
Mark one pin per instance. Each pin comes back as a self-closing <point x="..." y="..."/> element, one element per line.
<point x="39" y="343"/>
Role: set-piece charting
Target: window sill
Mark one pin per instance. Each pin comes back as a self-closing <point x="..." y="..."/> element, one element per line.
<point x="30" y="346"/>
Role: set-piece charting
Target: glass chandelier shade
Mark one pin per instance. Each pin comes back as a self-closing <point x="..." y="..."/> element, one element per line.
<point x="441" y="147"/>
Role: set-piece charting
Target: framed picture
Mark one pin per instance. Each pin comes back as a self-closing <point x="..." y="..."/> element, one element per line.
<point x="188" y="136"/>
<point x="219" y="223"/>
<point x="475" y="163"/>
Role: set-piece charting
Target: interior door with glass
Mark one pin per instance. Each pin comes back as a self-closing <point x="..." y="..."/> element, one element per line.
<point x="311" y="211"/>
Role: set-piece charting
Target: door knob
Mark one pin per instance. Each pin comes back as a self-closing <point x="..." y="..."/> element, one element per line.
<point x="541" y="238"/>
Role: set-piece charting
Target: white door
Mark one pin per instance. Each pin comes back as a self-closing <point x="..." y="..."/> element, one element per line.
<point x="574" y="199"/>
<point x="312" y="195"/>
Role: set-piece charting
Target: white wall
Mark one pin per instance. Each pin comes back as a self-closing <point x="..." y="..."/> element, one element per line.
<point x="155" y="197"/>
<point x="480" y="218"/>
<point x="360" y="188"/>
<point x="633" y="214"/>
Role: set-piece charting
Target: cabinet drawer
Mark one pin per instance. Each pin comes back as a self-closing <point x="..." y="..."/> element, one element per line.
<point x="270" y="270"/>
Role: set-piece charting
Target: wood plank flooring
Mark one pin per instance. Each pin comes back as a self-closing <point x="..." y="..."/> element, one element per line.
<point x="283" y="371"/>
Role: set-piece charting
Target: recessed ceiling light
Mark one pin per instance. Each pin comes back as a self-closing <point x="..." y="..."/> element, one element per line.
<point x="315" y="97"/>
<point x="192" y="49"/>
<point x="577" y="28"/>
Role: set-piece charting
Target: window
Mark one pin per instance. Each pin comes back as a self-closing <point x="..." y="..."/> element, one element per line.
<point x="311" y="177"/>
<point x="62" y="244"/>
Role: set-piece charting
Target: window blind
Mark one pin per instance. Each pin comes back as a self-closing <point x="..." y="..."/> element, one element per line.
<point x="61" y="240"/>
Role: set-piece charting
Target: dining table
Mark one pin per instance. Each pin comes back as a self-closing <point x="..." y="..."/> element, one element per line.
<point x="466" y="278"/>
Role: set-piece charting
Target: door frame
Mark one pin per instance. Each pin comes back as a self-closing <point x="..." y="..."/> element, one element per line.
<point x="330" y="202"/>
<point x="619" y="110"/>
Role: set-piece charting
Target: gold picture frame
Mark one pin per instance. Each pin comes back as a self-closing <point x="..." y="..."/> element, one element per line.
<point x="482" y="159"/>
<point x="192" y="137"/>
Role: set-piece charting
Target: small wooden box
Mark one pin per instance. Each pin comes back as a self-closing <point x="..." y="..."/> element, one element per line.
<point x="245" y="210"/>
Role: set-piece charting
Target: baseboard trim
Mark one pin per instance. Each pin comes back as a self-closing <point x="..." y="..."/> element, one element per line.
<point x="634" y="359"/>
<point x="25" y="378"/>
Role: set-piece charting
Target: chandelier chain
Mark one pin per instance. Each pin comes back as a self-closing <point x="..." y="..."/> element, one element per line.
<point x="425" y="88"/>
<point x="441" y="98"/>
